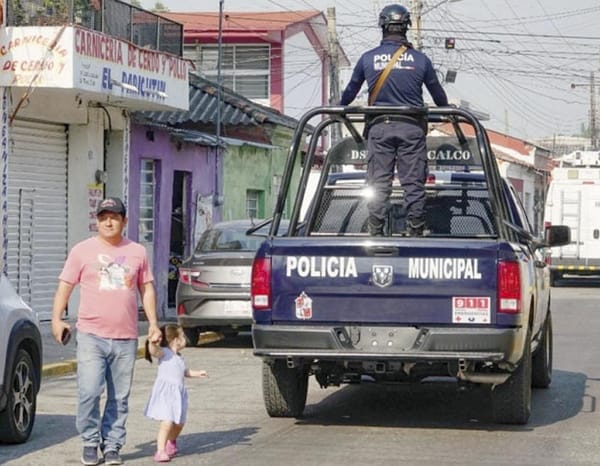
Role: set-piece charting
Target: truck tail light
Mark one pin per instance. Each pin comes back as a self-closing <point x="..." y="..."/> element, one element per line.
<point x="260" y="286"/>
<point x="509" y="287"/>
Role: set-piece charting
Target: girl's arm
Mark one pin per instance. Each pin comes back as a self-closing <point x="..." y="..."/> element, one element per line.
<point x="192" y="373"/>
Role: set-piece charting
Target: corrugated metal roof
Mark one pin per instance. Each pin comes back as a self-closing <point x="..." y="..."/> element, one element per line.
<point x="236" y="110"/>
<point x="205" y="139"/>
<point x="201" y="138"/>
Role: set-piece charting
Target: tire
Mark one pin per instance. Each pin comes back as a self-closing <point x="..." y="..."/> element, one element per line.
<point x="554" y="277"/>
<point x="16" y="421"/>
<point x="284" y="389"/>
<point x="541" y="364"/>
<point x="230" y="333"/>
<point x="192" y="334"/>
<point x="511" y="401"/>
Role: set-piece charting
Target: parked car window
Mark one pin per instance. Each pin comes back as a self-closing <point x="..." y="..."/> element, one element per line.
<point x="228" y="240"/>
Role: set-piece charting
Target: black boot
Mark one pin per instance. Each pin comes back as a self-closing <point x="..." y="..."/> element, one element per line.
<point x="416" y="227"/>
<point x="375" y="227"/>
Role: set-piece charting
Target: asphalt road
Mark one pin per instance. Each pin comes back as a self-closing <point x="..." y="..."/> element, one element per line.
<point x="431" y="424"/>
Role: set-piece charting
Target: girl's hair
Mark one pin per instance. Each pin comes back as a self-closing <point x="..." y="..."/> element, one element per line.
<point x="168" y="333"/>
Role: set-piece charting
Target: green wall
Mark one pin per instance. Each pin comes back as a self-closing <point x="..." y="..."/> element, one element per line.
<point x="251" y="168"/>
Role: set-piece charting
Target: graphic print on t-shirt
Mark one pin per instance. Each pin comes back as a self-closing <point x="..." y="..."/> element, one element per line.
<point x="114" y="273"/>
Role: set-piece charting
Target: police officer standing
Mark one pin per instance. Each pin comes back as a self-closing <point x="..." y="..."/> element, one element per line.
<point x="397" y="140"/>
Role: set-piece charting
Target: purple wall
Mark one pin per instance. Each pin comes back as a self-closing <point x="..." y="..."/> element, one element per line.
<point x="199" y="161"/>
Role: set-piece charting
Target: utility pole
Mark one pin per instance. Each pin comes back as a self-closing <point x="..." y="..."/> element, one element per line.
<point x="593" y="133"/>
<point x="334" y="77"/>
<point x="416" y="11"/>
<point x="593" y="126"/>
<point x="218" y="193"/>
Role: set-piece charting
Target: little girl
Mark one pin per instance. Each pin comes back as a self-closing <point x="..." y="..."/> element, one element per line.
<point x="168" y="400"/>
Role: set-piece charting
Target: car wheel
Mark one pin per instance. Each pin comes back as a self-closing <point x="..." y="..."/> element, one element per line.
<point x="284" y="389"/>
<point x="554" y="277"/>
<point x="192" y="334"/>
<point x="230" y="333"/>
<point x="511" y="401"/>
<point x="541" y="372"/>
<point x="16" y="421"/>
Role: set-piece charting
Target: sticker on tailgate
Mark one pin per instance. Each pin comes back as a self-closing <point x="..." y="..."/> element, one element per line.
<point x="470" y="310"/>
<point x="303" y="306"/>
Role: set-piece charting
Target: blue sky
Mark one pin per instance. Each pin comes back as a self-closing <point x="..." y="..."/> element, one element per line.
<point x="515" y="59"/>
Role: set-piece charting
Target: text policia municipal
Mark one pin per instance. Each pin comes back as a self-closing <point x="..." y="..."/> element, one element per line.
<point x="444" y="268"/>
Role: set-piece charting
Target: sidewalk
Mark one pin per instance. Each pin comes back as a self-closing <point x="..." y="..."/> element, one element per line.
<point x="62" y="360"/>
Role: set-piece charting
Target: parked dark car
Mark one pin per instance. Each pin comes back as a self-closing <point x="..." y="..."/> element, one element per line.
<point x="20" y="365"/>
<point x="213" y="292"/>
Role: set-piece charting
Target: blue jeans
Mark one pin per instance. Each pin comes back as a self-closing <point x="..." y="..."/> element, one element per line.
<point x="104" y="363"/>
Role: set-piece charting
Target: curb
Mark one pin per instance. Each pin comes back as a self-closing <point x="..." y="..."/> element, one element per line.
<point x="58" y="369"/>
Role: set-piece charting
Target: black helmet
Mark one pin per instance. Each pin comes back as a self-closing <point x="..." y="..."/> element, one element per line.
<point x="396" y="15"/>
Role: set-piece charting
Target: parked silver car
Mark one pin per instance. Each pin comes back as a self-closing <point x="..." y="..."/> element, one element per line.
<point x="213" y="291"/>
<point x="20" y="365"/>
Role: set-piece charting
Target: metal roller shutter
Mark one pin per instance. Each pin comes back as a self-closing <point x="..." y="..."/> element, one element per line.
<point x="37" y="211"/>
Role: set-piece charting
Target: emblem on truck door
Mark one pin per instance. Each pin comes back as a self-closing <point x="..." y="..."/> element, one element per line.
<point x="382" y="275"/>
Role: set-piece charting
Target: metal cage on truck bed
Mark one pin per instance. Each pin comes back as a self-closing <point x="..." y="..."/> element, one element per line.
<point x="457" y="157"/>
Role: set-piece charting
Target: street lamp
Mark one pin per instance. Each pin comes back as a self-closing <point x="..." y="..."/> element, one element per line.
<point x="417" y="13"/>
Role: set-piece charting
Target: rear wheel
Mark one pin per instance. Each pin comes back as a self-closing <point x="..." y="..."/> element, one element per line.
<point x="192" y="334"/>
<point x="16" y="421"/>
<point x="554" y="277"/>
<point x="284" y="389"/>
<point x="230" y="332"/>
<point x="541" y="371"/>
<point x="511" y="401"/>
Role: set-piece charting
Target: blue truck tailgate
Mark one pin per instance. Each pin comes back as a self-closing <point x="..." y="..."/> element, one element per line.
<point x="427" y="282"/>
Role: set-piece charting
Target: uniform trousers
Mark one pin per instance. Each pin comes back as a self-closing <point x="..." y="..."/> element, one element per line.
<point x="399" y="145"/>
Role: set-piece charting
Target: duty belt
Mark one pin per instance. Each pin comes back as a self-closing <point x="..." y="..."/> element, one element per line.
<point x="417" y="120"/>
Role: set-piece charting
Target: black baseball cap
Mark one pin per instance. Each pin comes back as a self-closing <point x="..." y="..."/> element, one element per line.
<point x="111" y="204"/>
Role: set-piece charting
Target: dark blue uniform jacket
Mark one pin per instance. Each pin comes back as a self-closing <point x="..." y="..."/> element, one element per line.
<point x="404" y="85"/>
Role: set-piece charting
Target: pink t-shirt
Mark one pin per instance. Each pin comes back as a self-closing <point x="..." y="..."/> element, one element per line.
<point x="109" y="277"/>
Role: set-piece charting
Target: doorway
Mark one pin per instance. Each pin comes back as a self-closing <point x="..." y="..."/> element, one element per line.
<point x="179" y="229"/>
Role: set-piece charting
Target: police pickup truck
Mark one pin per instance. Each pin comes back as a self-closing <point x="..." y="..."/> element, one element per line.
<point x="469" y="300"/>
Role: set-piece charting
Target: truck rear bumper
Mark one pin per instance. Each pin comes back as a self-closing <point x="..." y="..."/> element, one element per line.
<point x="386" y="343"/>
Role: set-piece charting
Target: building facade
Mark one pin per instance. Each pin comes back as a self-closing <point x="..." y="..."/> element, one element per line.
<point x="67" y="90"/>
<point x="281" y="59"/>
<point x="184" y="178"/>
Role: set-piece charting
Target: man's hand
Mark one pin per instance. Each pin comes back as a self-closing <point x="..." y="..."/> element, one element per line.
<point x="58" y="326"/>
<point x="154" y="334"/>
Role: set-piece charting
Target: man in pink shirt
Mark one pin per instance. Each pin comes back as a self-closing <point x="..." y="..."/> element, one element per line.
<point x="110" y="270"/>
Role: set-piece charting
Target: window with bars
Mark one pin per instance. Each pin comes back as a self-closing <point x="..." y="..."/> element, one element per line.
<point x="244" y="68"/>
<point x="254" y="203"/>
<point x="147" y="201"/>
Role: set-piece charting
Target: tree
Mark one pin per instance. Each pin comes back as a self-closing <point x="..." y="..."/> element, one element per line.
<point x="584" y="132"/>
<point x="159" y="8"/>
<point x="136" y="3"/>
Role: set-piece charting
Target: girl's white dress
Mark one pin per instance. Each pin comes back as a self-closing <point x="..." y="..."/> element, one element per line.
<point x="168" y="400"/>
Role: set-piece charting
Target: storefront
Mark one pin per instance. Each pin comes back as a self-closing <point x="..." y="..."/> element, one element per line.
<point x="66" y="95"/>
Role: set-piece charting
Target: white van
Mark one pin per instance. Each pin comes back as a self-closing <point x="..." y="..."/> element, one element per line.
<point x="573" y="199"/>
